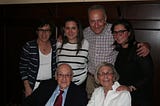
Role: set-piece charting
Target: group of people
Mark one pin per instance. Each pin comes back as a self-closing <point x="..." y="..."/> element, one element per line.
<point x="102" y="65"/>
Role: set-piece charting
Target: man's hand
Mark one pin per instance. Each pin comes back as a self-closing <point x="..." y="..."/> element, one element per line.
<point x="127" y="88"/>
<point x="123" y="87"/>
<point x="143" y="49"/>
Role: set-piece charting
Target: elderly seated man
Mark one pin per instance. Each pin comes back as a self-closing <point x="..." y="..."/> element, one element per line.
<point x="50" y="90"/>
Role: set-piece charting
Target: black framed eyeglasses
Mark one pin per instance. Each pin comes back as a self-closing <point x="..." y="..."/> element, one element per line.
<point x="119" y="32"/>
<point x="103" y="73"/>
<point x="42" y="30"/>
<point x="64" y="75"/>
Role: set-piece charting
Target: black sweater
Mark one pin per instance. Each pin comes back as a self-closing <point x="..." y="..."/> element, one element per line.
<point x="136" y="71"/>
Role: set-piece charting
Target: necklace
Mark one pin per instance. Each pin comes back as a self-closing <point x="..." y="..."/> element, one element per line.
<point x="45" y="48"/>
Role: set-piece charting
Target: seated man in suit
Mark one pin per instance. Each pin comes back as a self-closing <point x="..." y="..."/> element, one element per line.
<point x="48" y="90"/>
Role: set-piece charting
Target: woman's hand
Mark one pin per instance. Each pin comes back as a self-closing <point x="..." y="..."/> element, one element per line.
<point x="28" y="91"/>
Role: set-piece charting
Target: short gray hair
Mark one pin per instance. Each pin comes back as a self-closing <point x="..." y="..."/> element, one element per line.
<point x="116" y="75"/>
<point x="98" y="7"/>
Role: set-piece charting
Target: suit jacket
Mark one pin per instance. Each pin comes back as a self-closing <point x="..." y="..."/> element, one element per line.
<point x="75" y="96"/>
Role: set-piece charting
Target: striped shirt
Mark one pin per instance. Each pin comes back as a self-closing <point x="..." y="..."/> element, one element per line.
<point x="77" y="62"/>
<point x="29" y="61"/>
<point x="101" y="47"/>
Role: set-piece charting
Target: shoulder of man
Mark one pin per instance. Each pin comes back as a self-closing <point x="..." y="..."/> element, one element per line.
<point x="86" y="30"/>
<point x="78" y="94"/>
<point x="48" y="83"/>
<point x="74" y="88"/>
<point x="109" y="25"/>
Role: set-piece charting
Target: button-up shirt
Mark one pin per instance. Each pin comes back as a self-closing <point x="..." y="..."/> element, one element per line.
<point x="54" y="96"/>
<point x="112" y="98"/>
<point x="101" y="47"/>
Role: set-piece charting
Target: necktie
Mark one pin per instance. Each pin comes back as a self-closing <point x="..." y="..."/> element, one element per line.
<point x="58" y="101"/>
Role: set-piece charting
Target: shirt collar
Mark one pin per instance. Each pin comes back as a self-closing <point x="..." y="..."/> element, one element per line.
<point x="57" y="89"/>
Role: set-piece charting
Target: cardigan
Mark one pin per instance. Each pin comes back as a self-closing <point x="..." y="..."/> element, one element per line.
<point x="29" y="61"/>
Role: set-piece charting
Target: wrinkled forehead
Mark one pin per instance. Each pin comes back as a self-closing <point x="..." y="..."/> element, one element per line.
<point x="64" y="68"/>
<point x="98" y="12"/>
<point x="105" y="69"/>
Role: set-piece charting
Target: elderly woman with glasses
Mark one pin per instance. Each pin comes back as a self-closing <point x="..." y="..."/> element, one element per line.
<point x="106" y="94"/>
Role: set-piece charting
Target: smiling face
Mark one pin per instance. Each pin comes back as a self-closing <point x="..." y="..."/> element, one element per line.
<point x="64" y="76"/>
<point x="71" y="31"/>
<point x="44" y="33"/>
<point x="97" y="21"/>
<point x="121" y="34"/>
<point x="105" y="77"/>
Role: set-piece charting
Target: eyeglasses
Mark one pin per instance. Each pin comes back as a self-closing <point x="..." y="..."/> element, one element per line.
<point x="107" y="73"/>
<point x="120" y="32"/>
<point x="46" y="31"/>
<point x="64" y="75"/>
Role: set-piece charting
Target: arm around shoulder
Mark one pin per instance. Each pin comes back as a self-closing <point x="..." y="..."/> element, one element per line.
<point x="143" y="49"/>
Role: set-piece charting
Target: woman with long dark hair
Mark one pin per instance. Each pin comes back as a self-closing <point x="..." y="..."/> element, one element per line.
<point x="135" y="72"/>
<point x="73" y="50"/>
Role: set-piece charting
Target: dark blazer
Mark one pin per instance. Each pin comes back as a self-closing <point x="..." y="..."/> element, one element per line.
<point x="75" y="96"/>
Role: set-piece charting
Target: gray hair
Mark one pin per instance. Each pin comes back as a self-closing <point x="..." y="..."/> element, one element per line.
<point x="115" y="74"/>
<point x="98" y="7"/>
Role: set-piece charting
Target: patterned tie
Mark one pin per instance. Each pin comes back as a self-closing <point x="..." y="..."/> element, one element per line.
<point x="58" y="101"/>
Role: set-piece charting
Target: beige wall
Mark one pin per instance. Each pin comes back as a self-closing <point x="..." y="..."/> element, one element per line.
<point x="55" y="1"/>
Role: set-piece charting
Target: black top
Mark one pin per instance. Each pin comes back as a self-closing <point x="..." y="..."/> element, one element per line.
<point x="136" y="71"/>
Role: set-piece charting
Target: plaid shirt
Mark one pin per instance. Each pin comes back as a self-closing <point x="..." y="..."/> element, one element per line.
<point x="101" y="47"/>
